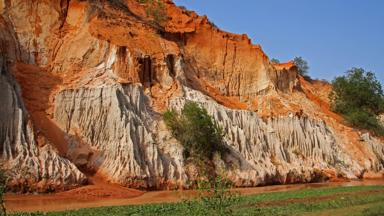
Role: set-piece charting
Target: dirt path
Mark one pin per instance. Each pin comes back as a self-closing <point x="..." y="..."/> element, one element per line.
<point x="113" y="195"/>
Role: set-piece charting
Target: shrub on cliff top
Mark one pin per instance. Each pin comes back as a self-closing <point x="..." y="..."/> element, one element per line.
<point x="302" y="66"/>
<point x="358" y="95"/>
<point x="275" y="61"/>
<point x="199" y="134"/>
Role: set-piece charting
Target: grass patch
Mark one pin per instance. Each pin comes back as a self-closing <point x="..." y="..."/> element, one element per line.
<point x="300" y="202"/>
<point x="313" y="205"/>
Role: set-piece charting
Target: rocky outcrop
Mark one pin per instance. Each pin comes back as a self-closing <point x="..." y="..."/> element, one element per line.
<point x="95" y="77"/>
<point x="117" y="134"/>
<point x="227" y="62"/>
<point x="29" y="159"/>
<point x="30" y="167"/>
<point x="280" y="150"/>
<point x="377" y="148"/>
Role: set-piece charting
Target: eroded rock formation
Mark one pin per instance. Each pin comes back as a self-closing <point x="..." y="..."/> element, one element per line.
<point x="84" y="84"/>
<point x="30" y="159"/>
<point x="115" y="132"/>
<point x="284" y="149"/>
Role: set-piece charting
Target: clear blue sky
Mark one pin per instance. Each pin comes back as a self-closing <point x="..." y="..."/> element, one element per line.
<point x="332" y="35"/>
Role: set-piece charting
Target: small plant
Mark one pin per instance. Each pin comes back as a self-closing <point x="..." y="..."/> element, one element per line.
<point x="275" y="61"/>
<point x="183" y="8"/>
<point x="298" y="153"/>
<point x="155" y="9"/>
<point x="215" y="198"/>
<point x="213" y="24"/>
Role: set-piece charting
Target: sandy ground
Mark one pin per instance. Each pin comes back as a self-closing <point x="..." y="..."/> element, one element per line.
<point x="113" y="195"/>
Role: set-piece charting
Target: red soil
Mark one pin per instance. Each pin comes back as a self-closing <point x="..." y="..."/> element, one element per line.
<point x="68" y="200"/>
<point x="38" y="87"/>
<point x="284" y="66"/>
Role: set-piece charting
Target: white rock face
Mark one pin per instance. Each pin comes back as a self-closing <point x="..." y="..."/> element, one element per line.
<point x="377" y="147"/>
<point x="34" y="32"/>
<point x="121" y="134"/>
<point x="279" y="150"/>
<point x="129" y="143"/>
<point x="29" y="168"/>
<point x="111" y="128"/>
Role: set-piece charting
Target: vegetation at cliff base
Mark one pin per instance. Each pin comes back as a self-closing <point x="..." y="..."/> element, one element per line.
<point x="337" y="201"/>
<point x="358" y="95"/>
<point x="215" y="198"/>
<point x="196" y="130"/>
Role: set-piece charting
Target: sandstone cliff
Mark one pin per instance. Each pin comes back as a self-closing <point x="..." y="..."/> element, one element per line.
<point x="84" y="83"/>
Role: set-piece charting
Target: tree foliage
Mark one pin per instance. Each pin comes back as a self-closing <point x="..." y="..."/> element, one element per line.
<point x="301" y="65"/>
<point x="359" y="96"/>
<point x="199" y="134"/>
<point x="275" y="61"/>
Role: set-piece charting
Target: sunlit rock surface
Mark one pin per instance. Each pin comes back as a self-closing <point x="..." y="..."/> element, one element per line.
<point x="84" y="84"/>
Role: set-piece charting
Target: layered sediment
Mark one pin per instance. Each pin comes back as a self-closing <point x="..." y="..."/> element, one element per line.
<point x="31" y="162"/>
<point x="84" y="85"/>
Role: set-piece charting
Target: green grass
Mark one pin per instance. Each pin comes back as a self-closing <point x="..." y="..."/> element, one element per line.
<point x="371" y="209"/>
<point x="357" y="200"/>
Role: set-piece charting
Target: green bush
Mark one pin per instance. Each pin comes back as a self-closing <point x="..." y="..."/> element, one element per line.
<point x="359" y="97"/>
<point x="365" y="120"/>
<point x="199" y="134"/>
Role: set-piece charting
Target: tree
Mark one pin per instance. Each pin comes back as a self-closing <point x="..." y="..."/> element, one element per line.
<point x="275" y="61"/>
<point x="301" y="65"/>
<point x="358" y="95"/>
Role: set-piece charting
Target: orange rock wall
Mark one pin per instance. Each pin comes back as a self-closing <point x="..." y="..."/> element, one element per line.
<point x="85" y="67"/>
